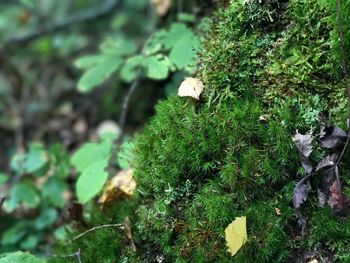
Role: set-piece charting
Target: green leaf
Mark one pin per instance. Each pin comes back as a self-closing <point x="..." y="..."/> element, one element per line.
<point x="17" y="163"/>
<point x="60" y="159"/>
<point x="36" y="158"/>
<point x="14" y="234"/>
<point x="30" y="162"/>
<point x="157" y="68"/>
<point x="182" y="43"/>
<point x="3" y="178"/>
<point x="90" y="61"/>
<point x="185" y="17"/>
<point x="30" y="242"/>
<point x="22" y="257"/>
<point x="91" y="181"/>
<point x="129" y="70"/>
<point x="154" y="43"/>
<point x="118" y="47"/>
<point x="23" y="192"/>
<point x="92" y="152"/>
<point x="126" y="154"/>
<point x="61" y="232"/>
<point x="52" y="191"/>
<point x="99" y="73"/>
<point x="47" y="217"/>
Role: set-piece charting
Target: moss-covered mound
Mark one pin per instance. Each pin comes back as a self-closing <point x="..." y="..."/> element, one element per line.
<point x="269" y="67"/>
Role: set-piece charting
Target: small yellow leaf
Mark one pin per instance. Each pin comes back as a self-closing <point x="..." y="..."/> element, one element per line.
<point x="191" y="87"/>
<point x="236" y="234"/>
<point x="122" y="184"/>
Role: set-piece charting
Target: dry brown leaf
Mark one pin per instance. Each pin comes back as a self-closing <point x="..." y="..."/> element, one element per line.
<point x="162" y="6"/>
<point x="191" y="87"/>
<point x="121" y="185"/>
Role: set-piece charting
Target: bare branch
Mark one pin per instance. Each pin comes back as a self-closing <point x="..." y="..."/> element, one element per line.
<point x="76" y="254"/>
<point x="121" y="226"/>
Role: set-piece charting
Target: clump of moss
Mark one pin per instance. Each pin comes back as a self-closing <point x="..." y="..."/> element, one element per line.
<point x="268" y="71"/>
<point x="281" y="64"/>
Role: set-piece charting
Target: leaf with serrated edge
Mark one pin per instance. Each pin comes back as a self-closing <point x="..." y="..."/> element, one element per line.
<point x="304" y="143"/>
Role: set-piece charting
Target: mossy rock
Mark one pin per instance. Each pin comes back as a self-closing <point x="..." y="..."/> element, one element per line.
<point x="269" y="68"/>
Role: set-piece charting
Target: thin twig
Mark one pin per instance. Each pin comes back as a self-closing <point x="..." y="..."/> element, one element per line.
<point x="2" y="200"/>
<point x="121" y="226"/>
<point x="125" y="109"/>
<point x="133" y="86"/>
<point x="76" y="254"/>
<point x="84" y="16"/>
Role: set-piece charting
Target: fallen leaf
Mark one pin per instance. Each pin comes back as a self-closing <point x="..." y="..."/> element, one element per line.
<point x="162" y="6"/>
<point x="191" y="87"/>
<point x="307" y="165"/>
<point x="236" y="234"/>
<point x="327" y="162"/>
<point x="121" y="185"/>
<point x="301" y="191"/>
<point x="332" y="137"/>
<point x="339" y="203"/>
<point x="328" y="176"/>
<point x="304" y="143"/>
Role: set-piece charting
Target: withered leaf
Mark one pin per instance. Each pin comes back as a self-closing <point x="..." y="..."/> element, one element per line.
<point x="121" y="185"/>
<point x="327" y="179"/>
<point x="327" y="162"/>
<point x="332" y="137"/>
<point x="301" y="191"/>
<point x="301" y="221"/>
<point x="191" y="87"/>
<point x="75" y="212"/>
<point x="307" y="165"/>
<point x="339" y="203"/>
<point x="304" y="143"/>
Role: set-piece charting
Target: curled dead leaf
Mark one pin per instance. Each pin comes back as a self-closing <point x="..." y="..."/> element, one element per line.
<point x="121" y="185"/>
<point x="332" y="136"/>
<point x="191" y="87"/>
<point x="327" y="162"/>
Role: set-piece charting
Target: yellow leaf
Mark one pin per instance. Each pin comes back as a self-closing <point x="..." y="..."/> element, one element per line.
<point x="236" y="234"/>
<point x="191" y="87"/>
<point x="121" y="185"/>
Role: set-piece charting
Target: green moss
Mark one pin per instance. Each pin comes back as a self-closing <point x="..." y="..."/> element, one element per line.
<point x="201" y="164"/>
